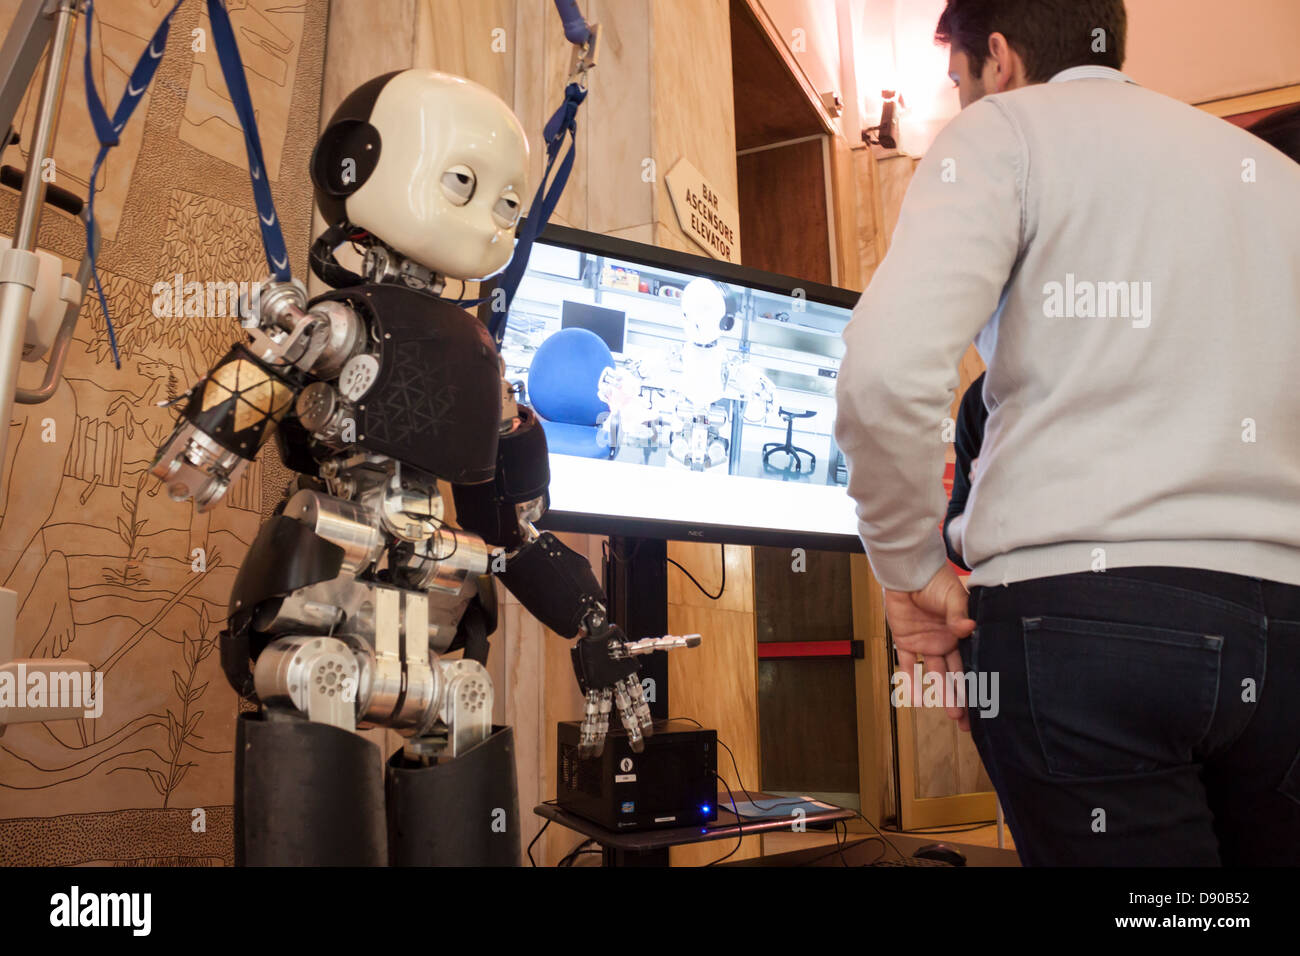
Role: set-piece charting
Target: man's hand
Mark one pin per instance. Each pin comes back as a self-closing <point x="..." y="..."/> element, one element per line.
<point x="927" y="624"/>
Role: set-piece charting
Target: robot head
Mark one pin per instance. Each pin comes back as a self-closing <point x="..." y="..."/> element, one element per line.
<point x="431" y="165"/>
<point x="704" y="306"/>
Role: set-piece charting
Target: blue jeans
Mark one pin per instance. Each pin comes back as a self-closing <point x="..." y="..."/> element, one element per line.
<point x="1146" y="716"/>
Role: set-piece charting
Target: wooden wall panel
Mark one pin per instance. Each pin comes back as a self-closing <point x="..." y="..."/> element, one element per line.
<point x="705" y="562"/>
<point x="875" y="728"/>
<point x="771" y="105"/>
<point x="864" y="206"/>
<point x="807" y="708"/>
<point x="847" y="209"/>
<point x="895" y="175"/>
<point x="783" y="211"/>
<point x="473" y="40"/>
<point x="693" y="113"/>
<point x="622" y="172"/>
<point x="716" y="683"/>
<point x="808" y="725"/>
<point x="807" y="601"/>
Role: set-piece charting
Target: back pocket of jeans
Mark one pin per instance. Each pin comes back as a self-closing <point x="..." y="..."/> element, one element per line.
<point x="1111" y="699"/>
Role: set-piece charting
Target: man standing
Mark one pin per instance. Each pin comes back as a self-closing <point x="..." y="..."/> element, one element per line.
<point x="1129" y="268"/>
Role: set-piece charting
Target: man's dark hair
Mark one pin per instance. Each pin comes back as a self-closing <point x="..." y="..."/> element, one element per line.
<point x="1049" y="35"/>
<point x="1281" y="130"/>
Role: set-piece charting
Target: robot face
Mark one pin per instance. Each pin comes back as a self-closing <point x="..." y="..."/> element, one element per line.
<point x="449" y="185"/>
<point x="704" y="306"/>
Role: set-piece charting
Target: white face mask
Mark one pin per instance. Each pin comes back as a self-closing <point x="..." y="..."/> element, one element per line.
<point x="451" y="179"/>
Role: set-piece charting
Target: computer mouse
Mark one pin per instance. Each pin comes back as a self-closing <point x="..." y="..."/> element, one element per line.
<point x="941" y="852"/>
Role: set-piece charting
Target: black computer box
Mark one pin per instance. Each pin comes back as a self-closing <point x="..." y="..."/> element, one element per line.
<point x="672" y="783"/>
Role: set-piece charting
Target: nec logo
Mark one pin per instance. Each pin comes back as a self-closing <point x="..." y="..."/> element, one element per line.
<point x="695" y="534"/>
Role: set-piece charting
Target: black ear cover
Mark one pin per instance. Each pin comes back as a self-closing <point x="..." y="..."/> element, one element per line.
<point x="347" y="151"/>
<point x="345" y="156"/>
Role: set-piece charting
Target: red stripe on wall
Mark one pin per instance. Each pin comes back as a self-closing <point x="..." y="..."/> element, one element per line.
<point x="805" y="649"/>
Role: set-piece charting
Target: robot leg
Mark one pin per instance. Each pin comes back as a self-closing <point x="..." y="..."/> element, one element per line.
<point x="308" y="790"/>
<point x="461" y="812"/>
<point x="306" y="794"/>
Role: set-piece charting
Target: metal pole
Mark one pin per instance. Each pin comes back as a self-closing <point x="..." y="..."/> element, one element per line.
<point x="47" y="121"/>
<point x="18" y="268"/>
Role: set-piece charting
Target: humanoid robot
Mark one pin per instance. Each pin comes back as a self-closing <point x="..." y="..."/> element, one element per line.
<point x="707" y="376"/>
<point x="351" y="594"/>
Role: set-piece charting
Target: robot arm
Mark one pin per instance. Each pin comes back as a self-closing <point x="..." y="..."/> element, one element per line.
<point x="556" y="584"/>
<point x="232" y="411"/>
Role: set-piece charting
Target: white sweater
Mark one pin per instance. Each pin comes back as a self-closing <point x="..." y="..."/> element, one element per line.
<point x="1129" y="267"/>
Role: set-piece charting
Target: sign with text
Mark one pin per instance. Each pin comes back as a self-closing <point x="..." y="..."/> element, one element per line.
<point x="705" y="216"/>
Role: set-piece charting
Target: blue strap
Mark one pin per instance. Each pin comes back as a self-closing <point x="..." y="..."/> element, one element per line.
<point x="562" y="124"/>
<point x="108" y="132"/>
<point x="575" y="27"/>
<point x="232" y="67"/>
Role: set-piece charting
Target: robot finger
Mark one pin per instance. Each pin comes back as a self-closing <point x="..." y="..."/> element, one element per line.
<point x="640" y="708"/>
<point x="595" y="723"/>
<point x="668" y="642"/>
<point x="627" y="713"/>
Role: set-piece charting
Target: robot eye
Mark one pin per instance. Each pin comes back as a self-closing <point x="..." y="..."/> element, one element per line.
<point x="506" y="209"/>
<point x="458" y="184"/>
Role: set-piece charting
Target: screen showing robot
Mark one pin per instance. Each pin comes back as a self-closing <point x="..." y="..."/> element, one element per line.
<point x="681" y="392"/>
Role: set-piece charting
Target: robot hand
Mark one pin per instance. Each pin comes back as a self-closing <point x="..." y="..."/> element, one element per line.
<point x="231" y="411"/>
<point x="228" y="416"/>
<point x="619" y="387"/>
<point x="609" y="676"/>
<point x="558" y="587"/>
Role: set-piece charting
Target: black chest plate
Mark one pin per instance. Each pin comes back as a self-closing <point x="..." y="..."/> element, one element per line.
<point x="435" y="402"/>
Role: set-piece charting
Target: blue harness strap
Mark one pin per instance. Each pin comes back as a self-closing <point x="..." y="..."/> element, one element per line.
<point x="563" y="124"/>
<point x="108" y="132"/>
<point x="232" y="68"/>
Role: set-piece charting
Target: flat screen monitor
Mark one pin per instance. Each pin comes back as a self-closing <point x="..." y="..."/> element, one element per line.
<point x="716" y="419"/>
<point x="609" y="324"/>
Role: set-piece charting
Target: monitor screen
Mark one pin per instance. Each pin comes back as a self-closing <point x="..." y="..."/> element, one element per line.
<point x="707" y="413"/>
<point x="609" y="324"/>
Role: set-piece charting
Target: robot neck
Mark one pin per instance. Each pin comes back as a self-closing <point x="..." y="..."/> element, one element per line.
<point x="383" y="264"/>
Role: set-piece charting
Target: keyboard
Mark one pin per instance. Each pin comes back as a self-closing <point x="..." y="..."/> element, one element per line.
<point x="910" y="861"/>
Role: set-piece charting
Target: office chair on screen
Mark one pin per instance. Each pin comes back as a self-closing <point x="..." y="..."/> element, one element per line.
<point x="788" y="447"/>
<point x="562" y="387"/>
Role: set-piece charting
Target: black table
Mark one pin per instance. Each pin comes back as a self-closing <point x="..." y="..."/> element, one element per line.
<point x="650" y="847"/>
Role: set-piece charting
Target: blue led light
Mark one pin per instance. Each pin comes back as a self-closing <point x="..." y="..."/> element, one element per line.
<point x="705" y="808"/>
